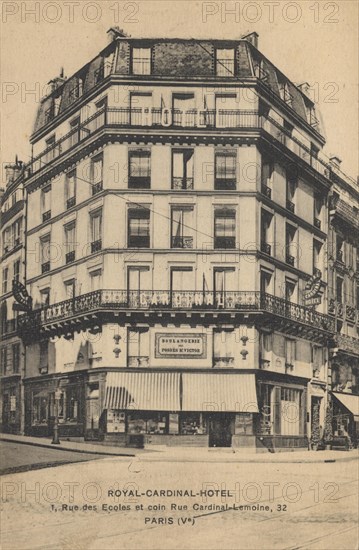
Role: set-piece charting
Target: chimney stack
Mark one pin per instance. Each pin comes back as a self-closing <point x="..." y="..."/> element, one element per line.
<point x="252" y="37"/>
<point x="115" y="32"/>
<point x="12" y="171"/>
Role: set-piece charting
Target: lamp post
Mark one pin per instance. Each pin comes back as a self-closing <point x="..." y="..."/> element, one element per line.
<point x="55" y="438"/>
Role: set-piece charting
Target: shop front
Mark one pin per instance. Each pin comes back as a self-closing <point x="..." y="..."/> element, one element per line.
<point x="11" y="404"/>
<point x="346" y="417"/>
<point x="179" y="408"/>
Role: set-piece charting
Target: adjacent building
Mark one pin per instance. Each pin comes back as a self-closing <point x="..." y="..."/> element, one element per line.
<point x="177" y="250"/>
<point x="12" y="225"/>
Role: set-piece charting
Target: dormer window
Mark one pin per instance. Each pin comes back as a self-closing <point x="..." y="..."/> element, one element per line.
<point x="225" y="62"/>
<point x="141" y="61"/>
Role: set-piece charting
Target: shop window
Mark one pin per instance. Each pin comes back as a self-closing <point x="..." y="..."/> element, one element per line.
<point x="193" y="424"/>
<point x="147" y="423"/>
<point x="40" y="408"/>
<point x="71" y="404"/>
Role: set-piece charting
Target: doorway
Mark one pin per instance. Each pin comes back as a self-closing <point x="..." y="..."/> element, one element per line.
<point x="220" y="429"/>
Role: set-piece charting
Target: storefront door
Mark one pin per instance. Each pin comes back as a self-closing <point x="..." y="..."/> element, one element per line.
<point x="220" y="429"/>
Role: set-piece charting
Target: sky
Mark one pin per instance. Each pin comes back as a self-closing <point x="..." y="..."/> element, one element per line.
<point x="309" y="41"/>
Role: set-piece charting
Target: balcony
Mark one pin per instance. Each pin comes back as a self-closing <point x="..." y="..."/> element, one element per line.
<point x="317" y="223"/>
<point x="138" y="241"/>
<point x="267" y="191"/>
<point x="96" y="246"/>
<point x="182" y="242"/>
<point x="45" y="267"/>
<point x="46" y="216"/>
<point x="340" y="256"/>
<point x="347" y="343"/>
<point x="162" y="300"/>
<point x="224" y="242"/>
<point x="70" y="257"/>
<point x="70" y="202"/>
<point x="159" y="118"/>
<point x="97" y="188"/>
<point x="290" y="206"/>
<point x="182" y="183"/>
<point x="266" y="248"/>
<point x="290" y="260"/>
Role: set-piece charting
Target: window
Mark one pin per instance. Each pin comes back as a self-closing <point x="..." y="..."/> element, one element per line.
<point x="284" y="92"/>
<point x="224" y="284"/>
<point x="96" y="174"/>
<point x="290" y="290"/>
<point x="291" y="248"/>
<point x="266" y="237"/>
<point x="227" y="113"/>
<point x="225" y="175"/>
<point x="147" y="422"/>
<point x="139" y="282"/>
<point x="45" y="244"/>
<point x="339" y="248"/>
<point x="3" y="358"/>
<point x="7" y="240"/>
<point x="46" y="203"/>
<point x="267" y="177"/>
<point x="138" y="347"/>
<point x="318" y="204"/>
<point x="70" y="242"/>
<point x="290" y="352"/>
<point x="17" y="270"/>
<point x="40" y="406"/>
<point x="76" y="90"/>
<point x="223" y="348"/>
<point x="96" y="280"/>
<point x="71" y="401"/>
<point x="50" y="148"/>
<point x="138" y="228"/>
<point x="139" y="167"/>
<point x="193" y="424"/>
<point x="224" y="228"/>
<point x="45" y="296"/>
<point x="74" y="131"/>
<point x="265" y="281"/>
<point x="141" y="61"/>
<point x="5" y="277"/>
<point x="70" y="289"/>
<point x="317" y="247"/>
<point x="182" y="281"/>
<point x="141" y="109"/>
<point x="291" y="191"/>
<point x="17" y="231"/>
<point x="15" y="358"/>
<point x="266" y="349"/>
<point x="225" y="62"/>
<point x="182" y="169"/>
<point x="96" y="230"/>
<point x="339" y="289"/>
<point x="44" y="355"/>
<point x="184" y="110"/>
<point x="70" y="189"/>
<point x="181" y="228"/>
<point x="290" y="411"/>
<point x="317" y="360"/>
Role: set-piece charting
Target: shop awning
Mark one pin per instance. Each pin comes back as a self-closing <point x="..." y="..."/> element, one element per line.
<point x="350" y="402"/>
<point x="151" y="391"/>
<point x="219" y="392"/>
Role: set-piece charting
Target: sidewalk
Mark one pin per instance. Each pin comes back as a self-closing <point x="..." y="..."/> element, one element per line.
<point x="188" y="454"/>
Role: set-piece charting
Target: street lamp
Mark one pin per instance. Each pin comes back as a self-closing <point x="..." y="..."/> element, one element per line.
<point x="55" y="438"/>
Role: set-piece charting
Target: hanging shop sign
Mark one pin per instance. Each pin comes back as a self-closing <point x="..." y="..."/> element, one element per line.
<point x="313" y="289"/>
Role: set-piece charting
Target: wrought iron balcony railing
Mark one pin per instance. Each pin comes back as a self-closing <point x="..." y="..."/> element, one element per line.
<point x="45" y="267"/>
<point x="97" y="188"/>
<point x="290" y="259"/>
<point x="224" y="242"/>
<point x="234" y="119"/>
<point x="267" y="191"/>
<point x="317" y="223"/>
<point x="225" y="184"/>
<point x="70" y="257"/>
<point x="138" y="360"/>
<point x="266" y="248"/>
<point x="70" y="202"/>
<point x="290" y="206"/>
<point x="107" y="300"/>
<point x="96" y="246"/>
<point x="182" y="183"/>
<point x="182" y="242"/>
<point x="46" y="216"/>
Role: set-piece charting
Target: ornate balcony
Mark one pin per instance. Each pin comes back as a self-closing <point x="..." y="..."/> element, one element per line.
<point x="96" y="246"/>
<point x="267" y="191"/>
<point x="182" y="183"/>
<point x="45" y="267"/>
<point x="317" y="223"/>
<point x="347" y="343"/>
<point x="290" y="260"/>
<point x="266" y="248"/>
<point x="70" y="257"/>
<point x="182" y="242"/>
<point x="97" y="188"/>
<point x="81" y="309"/>
<point x="290" y="206"/>
<point x="223" y="362"/>
<point x="70" y="202"/>
<point x="138" y="361"/>
<point x="46" y="216"/>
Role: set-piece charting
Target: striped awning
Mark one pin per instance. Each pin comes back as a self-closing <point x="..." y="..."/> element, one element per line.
<point x="350" y="402"/>
<point x="219" y="392"/>
<point x="151" y="391"/>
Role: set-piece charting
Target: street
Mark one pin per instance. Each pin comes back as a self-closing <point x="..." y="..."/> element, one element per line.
<point x="17" y="457"/>
<point x="140" y="503"/>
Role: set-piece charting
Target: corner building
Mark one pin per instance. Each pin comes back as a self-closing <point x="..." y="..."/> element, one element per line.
<point x="177" y="225"/>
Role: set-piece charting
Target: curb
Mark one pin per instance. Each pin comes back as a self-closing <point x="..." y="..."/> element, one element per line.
<point x="49" y="446"/>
